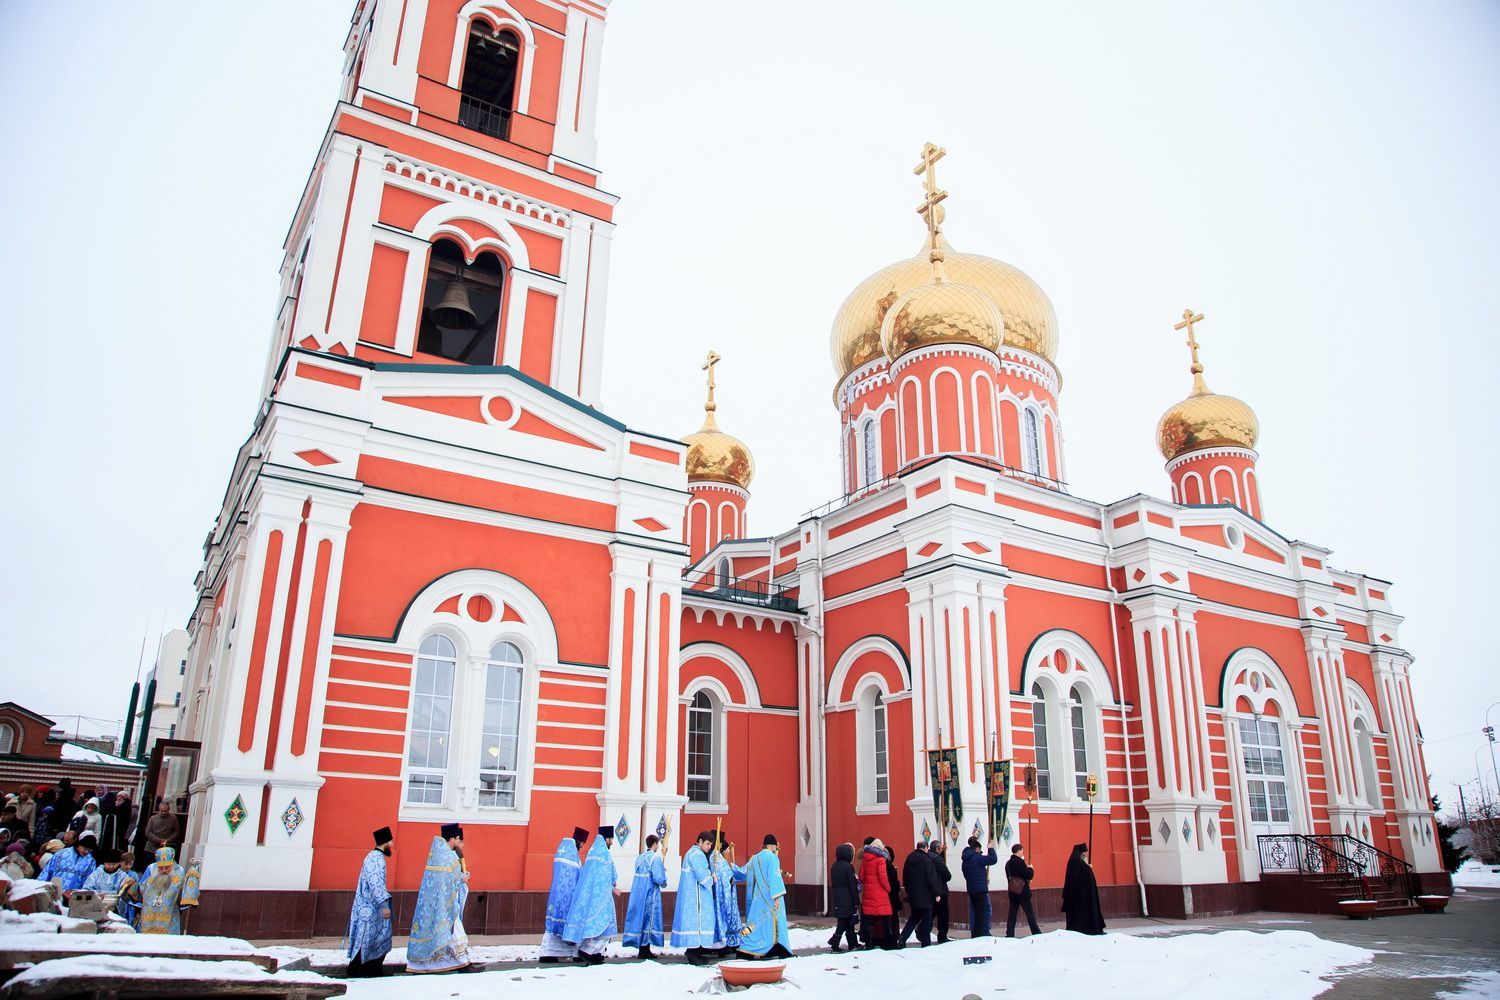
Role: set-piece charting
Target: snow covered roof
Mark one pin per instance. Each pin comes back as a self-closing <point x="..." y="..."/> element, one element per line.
<point x="88" y="755"/>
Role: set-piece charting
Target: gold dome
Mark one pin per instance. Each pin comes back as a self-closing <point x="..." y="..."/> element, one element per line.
<point x="940" y="312"/>
<point x="716" y="457"/>
<point x="1206" y="420"/>
<point x="1029" y="321"/>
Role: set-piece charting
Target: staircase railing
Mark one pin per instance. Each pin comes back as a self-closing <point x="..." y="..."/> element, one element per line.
<point x="1337" y="854"/>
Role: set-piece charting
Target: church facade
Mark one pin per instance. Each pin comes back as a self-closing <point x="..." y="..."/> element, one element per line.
<point x="444" y="586"/>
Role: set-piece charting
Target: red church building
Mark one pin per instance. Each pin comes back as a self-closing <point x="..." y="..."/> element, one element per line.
<point x="444" y="586"/>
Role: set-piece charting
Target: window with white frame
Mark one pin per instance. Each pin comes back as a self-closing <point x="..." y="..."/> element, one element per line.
<point x="1364" y="745"/>
<point x="1032" y="443"/>
<point x="1039" y="739"/>
<point x="702" y="748"/>
<point x="881" y="757"/>
<point x="872" y="748"/>
<point x="1079" y="732"/>
<point x="500" y="747"/>
<point x="1265" y="771"/>
<point x="869" y="451"/>
<point x="431" y="721"/>
<point x="7" y="738"/>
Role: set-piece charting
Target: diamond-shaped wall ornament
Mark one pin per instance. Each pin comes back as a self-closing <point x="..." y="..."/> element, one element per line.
<point x="954" y="833"/>
<point x="291" y="817"/>
<point x="622" y="830"/>
<point x="1006" y="835"/>
<point x="806" y="836"/>
<point x="1213" y="831"/>
<point x="1187" y="831"/>
<point x="235" y="815"/>
<point x="1165" y="829"/>
<point x="978" y="830"/>
<point x="926" y="831"/>
<point x="661" y="827"/>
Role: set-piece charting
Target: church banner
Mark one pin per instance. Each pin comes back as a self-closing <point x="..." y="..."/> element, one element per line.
<point x="942" y="766"/>
<point x="997" y="794"/>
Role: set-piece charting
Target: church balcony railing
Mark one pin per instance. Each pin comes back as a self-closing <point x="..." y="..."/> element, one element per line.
<point x="482" y="116"/>
<point x="461" y="116"/>
<point x="772" y="596"/>
<point x="1056" y="485"/>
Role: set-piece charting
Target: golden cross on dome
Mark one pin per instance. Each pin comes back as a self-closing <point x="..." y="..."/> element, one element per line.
<point x="929" y="209"/>
<point x="708" y="366"/>
<point x="1188" y="319"/>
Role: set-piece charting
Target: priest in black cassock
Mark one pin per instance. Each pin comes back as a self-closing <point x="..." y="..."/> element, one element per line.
<point x="1081" y="894"/>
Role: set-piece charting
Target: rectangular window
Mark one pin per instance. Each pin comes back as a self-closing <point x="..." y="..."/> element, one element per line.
<point x="1080" y="754"/>
<point x="1039" y="735"/>
<point x="431" y="724"/>
<point x="1265" y="770"/>
<point x="700" y="758"/>
<point x="500" y="747"/>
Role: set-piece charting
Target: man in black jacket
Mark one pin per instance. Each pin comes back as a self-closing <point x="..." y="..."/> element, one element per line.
<point x="843" y="897"/>
<point x="922" y="891"/>
<point x="1018" y="874"/>
<point x="936" y="850"/>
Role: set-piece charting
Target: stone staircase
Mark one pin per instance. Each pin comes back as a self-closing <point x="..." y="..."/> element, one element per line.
<point x="1313" y="874"/>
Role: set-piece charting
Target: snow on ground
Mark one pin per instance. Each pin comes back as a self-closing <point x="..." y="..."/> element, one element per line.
<point x="43" y="923"/>
<point x="1474" y="875"/>
<point x="156" y="968"/>
<point x="1230" y="965"/>
<point x="1480" y="984"/>
<point x="135" y="944"/>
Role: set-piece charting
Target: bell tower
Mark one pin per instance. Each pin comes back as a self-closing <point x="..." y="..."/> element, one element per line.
<point x="453" y="215"/>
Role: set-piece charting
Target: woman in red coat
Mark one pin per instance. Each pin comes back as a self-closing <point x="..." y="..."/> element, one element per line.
<point x="875" y="896"/>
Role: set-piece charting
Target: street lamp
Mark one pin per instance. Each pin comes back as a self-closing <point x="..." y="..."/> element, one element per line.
<point x="1489" y="731"/>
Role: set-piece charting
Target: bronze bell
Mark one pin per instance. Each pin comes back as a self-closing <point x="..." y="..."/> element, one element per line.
<point x="453" y="311"/>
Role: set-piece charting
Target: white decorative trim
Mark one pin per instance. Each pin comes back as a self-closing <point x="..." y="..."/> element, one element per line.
<point x="425" y="174"/>
<point x="729" y="658"/>
<point x="1203" y="453"/>
<point x="858" y="648"/>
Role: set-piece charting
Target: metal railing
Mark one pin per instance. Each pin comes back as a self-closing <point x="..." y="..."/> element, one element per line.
<point x="482" y="116"/>
<point x="772" y="596"/>
<point x="1340" y="855"/>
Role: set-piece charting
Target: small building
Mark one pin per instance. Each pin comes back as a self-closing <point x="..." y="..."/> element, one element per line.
<point x="34" y="751"/>
<point x="166" y="703"/>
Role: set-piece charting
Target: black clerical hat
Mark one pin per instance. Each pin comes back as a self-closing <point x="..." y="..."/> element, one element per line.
<point x="108" y="856"/>
<point x="607" y="832"/>
<point x="770" y="839"/>
<point x="451" y="830"/>
<point x="580" y="835"/>
<point x="383" y="836"/>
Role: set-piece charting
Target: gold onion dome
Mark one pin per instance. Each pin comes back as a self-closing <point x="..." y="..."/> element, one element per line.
<point x="1205" y="419"/>
<point x="1029" y="321"/>
<point x="712" y="455"/>
<point x="940" y="312"/>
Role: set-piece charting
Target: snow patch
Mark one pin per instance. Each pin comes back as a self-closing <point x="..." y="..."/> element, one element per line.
<point x="1474" y="875"/>
<point x="120" y="966"/>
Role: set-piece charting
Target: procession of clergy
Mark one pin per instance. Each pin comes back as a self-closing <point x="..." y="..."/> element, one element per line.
<point x="581" y="904"/>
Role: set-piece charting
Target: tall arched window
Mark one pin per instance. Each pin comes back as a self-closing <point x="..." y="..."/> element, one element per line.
<point x="7" y="739"/>
<point x="881" y="758"/>
<point x="461" y="306"/>
<point x="1039" y="739"/>
<point x="1265" y="774"/>
<point x="726" y="574"/>
<point x="489" y="81"/>
<point x="869" y="451"/>
<point x="1080" y="745"/>
<point x="702" y="778"/>
<point x="1365" y="746"/>
<point x="431" y="721"/>
<point x="499" y="753"/>
<point x="1032" y="442"/>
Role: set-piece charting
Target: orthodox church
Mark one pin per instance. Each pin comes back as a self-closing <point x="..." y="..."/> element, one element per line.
<point x="444" y="586"/>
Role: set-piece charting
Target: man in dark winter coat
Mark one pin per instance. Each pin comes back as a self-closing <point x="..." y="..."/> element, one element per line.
<point x="1080" y="902"/>
<point x="843" y="896"/>
<point x="893" y="922"/>
<point x="937" y="850"/>
<point x="1018" y="874"/>
<point x="922" y="891"/>
<point x="976" y="868"/>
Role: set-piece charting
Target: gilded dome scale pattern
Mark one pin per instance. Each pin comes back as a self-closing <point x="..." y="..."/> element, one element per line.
<point x="1206" y="420"/>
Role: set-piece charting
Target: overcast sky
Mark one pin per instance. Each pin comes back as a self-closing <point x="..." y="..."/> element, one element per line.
<point x="1317" y="179"/>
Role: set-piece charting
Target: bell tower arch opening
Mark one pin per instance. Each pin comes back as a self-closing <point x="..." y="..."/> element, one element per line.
<point x="461" y="305"/>
<point x="487" y="89"/>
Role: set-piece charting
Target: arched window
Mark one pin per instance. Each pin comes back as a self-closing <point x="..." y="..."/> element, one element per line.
<point x="1080" y="745"/>
<point x="431" y="721"/>
<point x="1032" y="443"/>
<point x="499" y="753"/>
<point x="872" y="746"/>
<point x="488" y="88"/>
<point x="7" y="738"/>
<point x="1365" y="746"/>
<point x="881" y="761"/>
<point x="726" y="574"/>
<point x="702" y="734"/>
<point x="1039" y="739"/>
<point x="870" y="452"/>
<point x="461" y="306"/>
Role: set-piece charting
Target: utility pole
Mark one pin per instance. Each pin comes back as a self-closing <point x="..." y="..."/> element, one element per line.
<point x="1463" y="807"/>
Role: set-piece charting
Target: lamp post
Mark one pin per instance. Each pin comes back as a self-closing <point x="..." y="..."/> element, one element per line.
<point x="1489" y="731"/>
<point x="1091" y="785"/>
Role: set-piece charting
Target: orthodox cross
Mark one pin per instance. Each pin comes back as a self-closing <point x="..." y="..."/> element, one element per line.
<point x="929" y="209"/>
<point x="708" y="366"/>
<point x="1188" y="319"/>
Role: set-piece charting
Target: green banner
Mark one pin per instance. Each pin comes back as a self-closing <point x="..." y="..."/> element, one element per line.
<point x="997" y="793"/>
<point x="942" y="768"/>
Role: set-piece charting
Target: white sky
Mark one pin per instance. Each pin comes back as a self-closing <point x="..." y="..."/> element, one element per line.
<point x="1318" y="179"/>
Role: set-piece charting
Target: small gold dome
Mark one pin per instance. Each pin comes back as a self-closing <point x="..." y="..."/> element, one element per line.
<point x="940" y="312"/>
<point x="716" y="457"/>
<point x="1029" y="321"/>
<point x="1206" y="420"/>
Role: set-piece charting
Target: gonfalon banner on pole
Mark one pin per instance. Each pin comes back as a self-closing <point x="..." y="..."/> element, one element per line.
<point x="942" y="766"/>
<point x="997" y="794"/>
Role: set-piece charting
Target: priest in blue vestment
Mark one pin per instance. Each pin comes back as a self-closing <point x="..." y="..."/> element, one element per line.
<point x="643" y="925"/>
<point x="565" y="871"/>
<point x="370" y="919"/>
<point x="438" y="942"/>
<point x="693" y="918"/>
<point x="109" y="879"/>
<point x="591" y="918"/>
<point x="766" y="934"/>
<point x="727" y="875"/>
